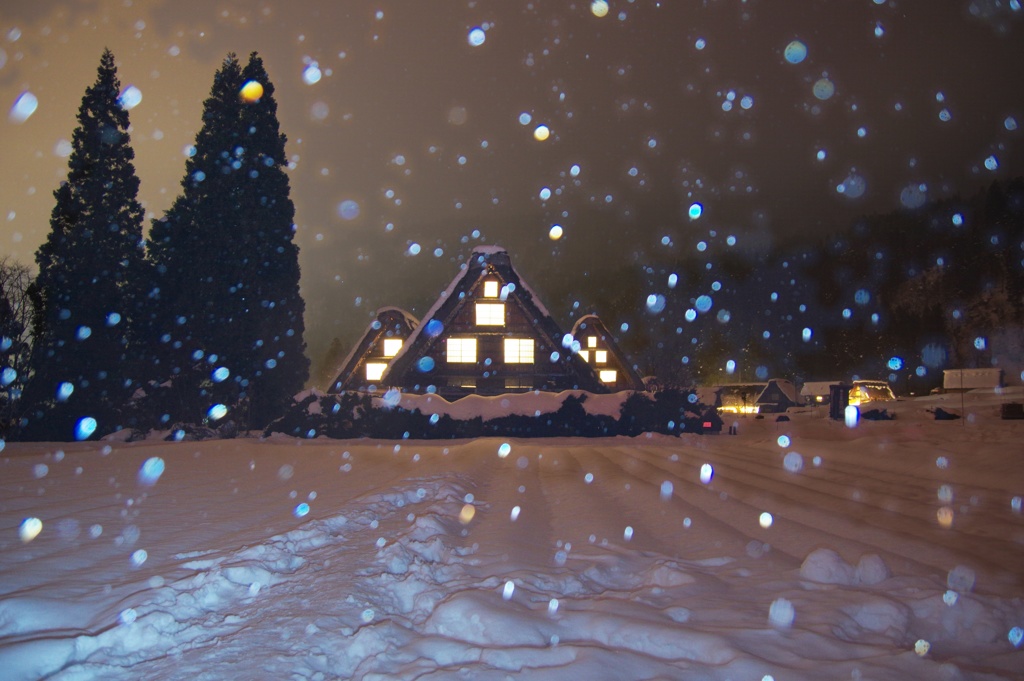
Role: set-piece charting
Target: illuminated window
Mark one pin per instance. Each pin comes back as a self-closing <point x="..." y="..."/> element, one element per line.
<point x="601" y="356"/>
<point x="490" y="314"/>
<point x="392" y="346"/>
<point x="461" y="350"/>
<point x="607" y="375"/>
<point x="519" y="351"/>
<point x="585" y="354"/>
<point x="490" y="289"/>
<point x="374" y="370"/>
<point x="591" y="341"/>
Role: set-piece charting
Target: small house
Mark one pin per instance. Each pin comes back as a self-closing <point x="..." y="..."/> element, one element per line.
<point x="738" y="398"/>
<point x="380" y="343"/>
<point x="867" y="390"/>
<point x="969" y="379"/>
<point x="599" y="349"/>
<point x="778" y="396"/>
<point x="816" y="392"/>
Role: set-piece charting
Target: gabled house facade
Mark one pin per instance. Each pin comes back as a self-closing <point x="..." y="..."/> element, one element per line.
<point x="778" y="396"/>
<point x="487" y="334"/>
<point x="383" y="339"/>
<point x="599" y="349"/>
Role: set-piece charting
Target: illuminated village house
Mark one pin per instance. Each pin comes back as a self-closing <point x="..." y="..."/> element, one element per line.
<point x="487" y="334"/>
<point x="380" y="343"/>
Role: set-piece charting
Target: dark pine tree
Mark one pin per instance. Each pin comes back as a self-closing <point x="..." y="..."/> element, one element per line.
<point x="227" y="271"/>
<point x="88" y="358"/>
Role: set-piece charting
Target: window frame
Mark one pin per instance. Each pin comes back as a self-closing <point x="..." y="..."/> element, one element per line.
<point x="459" y="348"/>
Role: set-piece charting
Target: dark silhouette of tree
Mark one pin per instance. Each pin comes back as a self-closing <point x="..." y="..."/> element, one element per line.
<point x="15" y="338"/>
<point x="227" y="273"/>
<point x="86" y="357"/>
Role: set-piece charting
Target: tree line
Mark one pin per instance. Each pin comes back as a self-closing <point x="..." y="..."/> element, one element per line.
<point x="201" y="321"/>
<point x="898" y="296"/>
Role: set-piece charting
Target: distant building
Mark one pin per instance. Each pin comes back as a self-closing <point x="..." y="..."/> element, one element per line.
<point x="599" y="349"/>
<point x="738" y="398"/>
<point x="969" y="379"/>
<point x="487" y="334"/>
<point x="775" y="396"/>
<point x="816" y="392"/>
<point x="778" y="396"/>
<point x="870" y="391"/>
<point x="383" y="339"/>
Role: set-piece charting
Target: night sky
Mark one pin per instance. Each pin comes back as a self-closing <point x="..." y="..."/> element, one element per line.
<point x="412" y="125"/>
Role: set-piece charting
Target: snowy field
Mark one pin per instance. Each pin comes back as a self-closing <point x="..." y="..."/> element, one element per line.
<point x="893" y="550"/>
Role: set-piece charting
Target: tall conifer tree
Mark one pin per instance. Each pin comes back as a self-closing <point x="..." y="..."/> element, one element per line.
<point x="87" y="356"/>
<point x="227" y="266"/>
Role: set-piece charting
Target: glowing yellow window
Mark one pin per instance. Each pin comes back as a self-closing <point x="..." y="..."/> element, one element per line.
<point x="461" y="350"/>
<point x="374" y="370"/>
<point x="607" y="375"/>
<point x="519" y="351"/>
<point x="585" y="354"/>
<point x="392" y="346"/>
<point x="591" y="341"/>
<point x="601" y="356"/>
<point x="490" y="289"/>
<point x="490" y="314"/>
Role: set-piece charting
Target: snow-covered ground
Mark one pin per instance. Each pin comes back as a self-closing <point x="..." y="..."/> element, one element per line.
<point x="893" y="550"/>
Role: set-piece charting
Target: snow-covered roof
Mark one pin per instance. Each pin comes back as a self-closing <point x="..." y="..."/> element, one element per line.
<point x="785" y="386"/>
<point x="384" y="316"/>
<point x="815" y="388"/>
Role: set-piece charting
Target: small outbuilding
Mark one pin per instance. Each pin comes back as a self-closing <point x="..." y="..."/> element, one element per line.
<point x="968" y="379"/>
<point x="364" y="366"/>
<point x="816" y="392"/>
<point x="599" y="349"/>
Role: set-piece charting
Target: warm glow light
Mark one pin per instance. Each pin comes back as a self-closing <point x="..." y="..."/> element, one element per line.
<point x="585" y="354"/>
<point x="490" y="289"/>
<point x="555" y="233"/>
<point x="461" y="350"/>
<point x="251" y="92"/>
<point x="392" y="346"/>
<point x="490" y="314"/>
<point x="541" y="133"/>
<point x="374" y="370"/>
<point x="591" y="341"/>
<point x="519" y="351"/>
<point x="607" y="375"/>
<point x="601" y="356"/>
<point x="738" y="410"/>
<point x="466" y="514"/>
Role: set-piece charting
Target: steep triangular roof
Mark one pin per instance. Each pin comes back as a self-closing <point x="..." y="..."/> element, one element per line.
<point x="591" y="326"/>
<point x="422" y="364"/>
<point x="780" y="393"/>
<point x="390" y="322"/>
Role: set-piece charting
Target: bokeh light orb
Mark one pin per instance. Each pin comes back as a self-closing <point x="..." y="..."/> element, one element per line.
<point x="348" y="209"/>
<point x="795" y="52"/>
<point x="824" y="89"/>
<point x="30" y="529"/>
<point x="541" y="133"/>
<point x="555" y="233"/>
<point x="251" y="92"/>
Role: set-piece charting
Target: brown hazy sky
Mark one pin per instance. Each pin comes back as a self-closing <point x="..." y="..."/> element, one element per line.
<point x="652" y="106"/>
